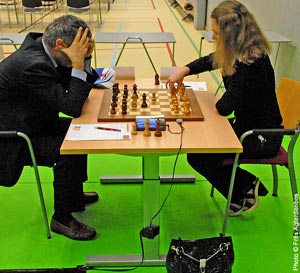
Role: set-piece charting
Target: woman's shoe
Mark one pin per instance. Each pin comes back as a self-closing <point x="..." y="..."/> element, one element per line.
<point x="236" y="209"/>
<point x="251" y="197"/>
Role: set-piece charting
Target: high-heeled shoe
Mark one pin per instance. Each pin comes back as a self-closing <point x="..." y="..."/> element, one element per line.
<point x="251" y="197"/>
<point x="236" y="209"/>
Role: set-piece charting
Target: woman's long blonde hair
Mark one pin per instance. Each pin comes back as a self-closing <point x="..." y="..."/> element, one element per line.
<point x="240" y="37"/>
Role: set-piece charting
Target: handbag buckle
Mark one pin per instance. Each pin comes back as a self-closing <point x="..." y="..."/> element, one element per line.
<point x="202" y="265"/>
<point x="179" y="250"/>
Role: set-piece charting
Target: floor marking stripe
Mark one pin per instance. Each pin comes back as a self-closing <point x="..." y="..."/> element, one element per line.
<point x="213" y="74"/>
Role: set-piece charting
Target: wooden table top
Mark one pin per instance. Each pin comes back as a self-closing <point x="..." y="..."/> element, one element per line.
<point x="213" y="135"/>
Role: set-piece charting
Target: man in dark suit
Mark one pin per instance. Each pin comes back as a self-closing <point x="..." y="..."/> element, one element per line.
<point x="50" y="73"/>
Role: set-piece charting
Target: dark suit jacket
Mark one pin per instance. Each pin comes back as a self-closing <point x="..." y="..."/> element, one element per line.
<point x="32" y="94"/>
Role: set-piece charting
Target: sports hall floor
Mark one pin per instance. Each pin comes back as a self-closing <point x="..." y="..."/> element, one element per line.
<point x="263" y="240"/>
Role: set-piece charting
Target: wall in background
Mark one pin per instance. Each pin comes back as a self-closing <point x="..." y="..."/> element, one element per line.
<point x="282" y="17"/>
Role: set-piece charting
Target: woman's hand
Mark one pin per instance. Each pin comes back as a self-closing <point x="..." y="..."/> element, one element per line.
<point x="174" y="82"/>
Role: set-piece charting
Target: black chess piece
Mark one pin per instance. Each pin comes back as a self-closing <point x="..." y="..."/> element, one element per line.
<point x="124" y="108"/>
<point x="156" y="79"/>
<point x="157" y="132"/>
<point x="144" y="103"/>
<point x="113" y="110"/>
<point x="116" y="86"/>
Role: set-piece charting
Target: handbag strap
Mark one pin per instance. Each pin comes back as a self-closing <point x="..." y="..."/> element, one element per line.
<point x="202" y="262"/>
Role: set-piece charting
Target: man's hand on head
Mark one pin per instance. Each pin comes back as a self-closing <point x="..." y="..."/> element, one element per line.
<point x="81" y="47"/>
<point x="90" y="47"/>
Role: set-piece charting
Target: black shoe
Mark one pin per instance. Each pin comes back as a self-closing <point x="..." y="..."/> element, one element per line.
<point x="251" y="197"/>
<point x="75" y="230"/>
<point x="88" y="198"/>
<point x="236" y="209"/>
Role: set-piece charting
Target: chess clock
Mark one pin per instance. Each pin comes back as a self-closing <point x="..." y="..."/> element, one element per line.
<point x="140" y="122"/>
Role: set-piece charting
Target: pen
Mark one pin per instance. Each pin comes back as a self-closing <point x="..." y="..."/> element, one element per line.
<point x="108" y="129"/>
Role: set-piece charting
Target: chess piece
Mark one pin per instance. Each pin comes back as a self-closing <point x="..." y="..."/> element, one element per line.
<point x="172" y="91"/>
<point x="124" y="107"/>
<point x="125" y="93"/>
<point x="134" y="87"/>
<point x="186" y="107"/>
<point x="116" y="87"/>
<point x="153" y="97"/>
<point x="125" y="90"/>
<point x="158" y="132"/>
<point x="134" y="94"/>
<point x="115" y="95"/>
<point x="176" y="108"/>
<point x="156" y="79"/>
<point x="186" y="97"/>
<point x="114" y="101"/>
<point x="133" y="129"/>
<point x="181" y="93"/>
<point x="174" y="101"/>
<point x="144" y="103"/>
<point x="133" y="102"/>
<point x="147" y="132"/>
<point x="113" y="109"/>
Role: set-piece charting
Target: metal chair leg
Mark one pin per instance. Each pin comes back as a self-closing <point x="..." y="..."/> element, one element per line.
<point x="275" y="180"/>
<point x="38" y="181"/>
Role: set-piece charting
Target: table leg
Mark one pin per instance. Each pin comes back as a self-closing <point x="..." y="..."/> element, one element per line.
<point x="143" y="44"/>
<point x="150" y="60"/>
<point x="276" y="56"/>
<point x="173" y="55"/>
<point x="151" y="203"/>
<point x="200" y="46"/>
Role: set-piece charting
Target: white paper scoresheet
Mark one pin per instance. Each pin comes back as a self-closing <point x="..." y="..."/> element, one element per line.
<point x="196" y="86"/>
<point x="113" y="131"/>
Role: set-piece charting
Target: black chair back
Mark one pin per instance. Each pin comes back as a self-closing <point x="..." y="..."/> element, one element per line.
<point x="32" y="3"/>
<point x="78" y="3"/>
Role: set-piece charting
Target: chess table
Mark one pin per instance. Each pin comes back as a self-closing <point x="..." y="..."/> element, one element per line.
<point x="213" y="135"/>
<point x="161" y="106"/>
<point x="142" y="38"/>
<point x="14" y="39"/>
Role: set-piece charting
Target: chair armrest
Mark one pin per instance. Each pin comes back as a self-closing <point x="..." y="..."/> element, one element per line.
<point x="273" y="132"/>
<point x="8" y="133"/>
<point x="270" y="132"/>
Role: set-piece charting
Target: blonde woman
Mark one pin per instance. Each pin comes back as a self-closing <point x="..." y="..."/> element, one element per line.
<point x="242" y="56"/>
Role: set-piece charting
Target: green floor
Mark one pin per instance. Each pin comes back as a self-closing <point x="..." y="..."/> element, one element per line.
<point x="263" y="240"/>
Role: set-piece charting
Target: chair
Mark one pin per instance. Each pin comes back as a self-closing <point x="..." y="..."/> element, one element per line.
<point x="8" y="4"/>
<point x="288" y="96"/>
<point x="16" y="134"/>
<point x="32" y="7"/>
<point x="80" y="6"/>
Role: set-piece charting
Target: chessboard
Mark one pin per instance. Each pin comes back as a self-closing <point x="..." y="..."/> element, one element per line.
<point x="119" y="104"/>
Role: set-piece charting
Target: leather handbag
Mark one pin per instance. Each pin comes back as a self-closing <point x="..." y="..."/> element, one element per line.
<point x="209" y="255"/>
